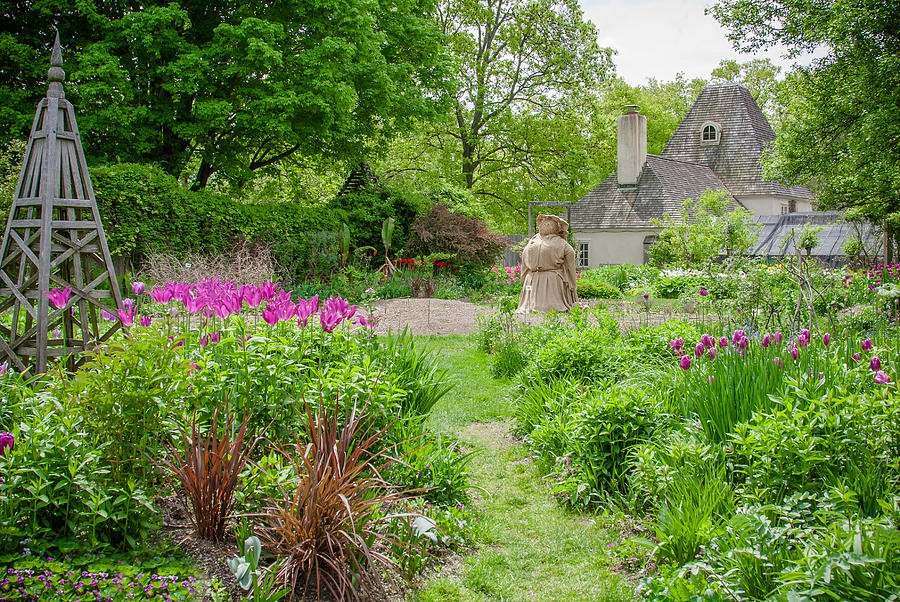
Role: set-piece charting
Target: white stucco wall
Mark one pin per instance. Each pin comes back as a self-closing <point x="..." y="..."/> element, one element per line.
<point x="613" y="247"/>
<point x="771" y="205"/>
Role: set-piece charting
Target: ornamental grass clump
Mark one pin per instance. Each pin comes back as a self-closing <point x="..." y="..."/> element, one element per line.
<point x="207" y="465"/>
<point x="324" y="528"/>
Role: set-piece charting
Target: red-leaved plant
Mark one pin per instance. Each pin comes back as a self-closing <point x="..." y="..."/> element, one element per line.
<point x="208" y="466"/>
<point x="324" y="528"/>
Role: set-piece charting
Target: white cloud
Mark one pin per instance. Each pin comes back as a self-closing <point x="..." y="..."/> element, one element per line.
<point x="660" y="38"/>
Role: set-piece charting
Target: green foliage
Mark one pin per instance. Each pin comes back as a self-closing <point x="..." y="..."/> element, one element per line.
<point x="57" y="485"/>
<point x="435" y="466"/>
<point x="703" y="228"/>
<point x="229" y="88"/>
<point x="129" y="395"/>
<point x="597" y="289"/>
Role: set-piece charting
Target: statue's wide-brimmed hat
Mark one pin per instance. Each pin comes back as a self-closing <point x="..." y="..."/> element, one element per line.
<point x="560" y="222"/>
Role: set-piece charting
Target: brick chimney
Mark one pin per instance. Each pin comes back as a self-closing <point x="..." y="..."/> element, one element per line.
<point x="632" y="146"/>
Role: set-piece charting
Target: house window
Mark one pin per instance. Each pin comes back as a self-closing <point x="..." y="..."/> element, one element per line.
<point x="785" y="208"/>
<point x="710" y="133"/>
<point x="582" y="254"/>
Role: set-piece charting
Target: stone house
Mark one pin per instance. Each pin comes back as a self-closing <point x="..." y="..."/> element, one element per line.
<point x="717" y="146"/>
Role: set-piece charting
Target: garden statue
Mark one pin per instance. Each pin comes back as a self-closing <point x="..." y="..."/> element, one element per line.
<point x="548" y="268"/>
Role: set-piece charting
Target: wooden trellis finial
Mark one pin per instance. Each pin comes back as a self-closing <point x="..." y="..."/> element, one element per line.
<point x="56" y="75"/>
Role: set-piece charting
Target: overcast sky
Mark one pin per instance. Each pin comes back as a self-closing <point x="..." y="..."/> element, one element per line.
<point x="659" y="38"/>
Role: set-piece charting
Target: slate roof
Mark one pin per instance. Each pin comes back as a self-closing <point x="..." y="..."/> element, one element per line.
<point x="662" y="188"/>
<point x="776" y="229"/>
<point x="744" y="135"/>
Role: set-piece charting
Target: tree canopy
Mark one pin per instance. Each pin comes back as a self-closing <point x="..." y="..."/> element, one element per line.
<point x="227" y="87"/>
<point x="841" y="128"/>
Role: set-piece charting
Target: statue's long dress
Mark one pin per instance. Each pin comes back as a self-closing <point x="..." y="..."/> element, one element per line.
<point x="548" y="275"/>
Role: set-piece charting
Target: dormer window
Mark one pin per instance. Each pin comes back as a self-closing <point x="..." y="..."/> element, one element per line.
<point x="710" y="133"/>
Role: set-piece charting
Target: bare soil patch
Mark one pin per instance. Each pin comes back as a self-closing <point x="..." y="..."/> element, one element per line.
<point x="492" y="435"/>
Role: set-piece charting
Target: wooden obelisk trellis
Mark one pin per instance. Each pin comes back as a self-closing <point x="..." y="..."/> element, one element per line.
<point x="54" y="240"/>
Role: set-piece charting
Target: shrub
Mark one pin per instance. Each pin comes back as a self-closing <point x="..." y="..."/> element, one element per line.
<point x="468" y="240"/>
<point x="597" y="289"/>
<point x="207" y="466"/>
<point x="324" y="529"/>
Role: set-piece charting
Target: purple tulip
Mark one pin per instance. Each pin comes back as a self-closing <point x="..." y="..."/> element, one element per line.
<point x="270" y="316"/>
<point x="723" y="342"/>
<point x="699" y="350"/>
<point x="867" y="345"/>
<point x="802" y="340"/>
<point x="128" y="303"/>
<point x="138" y="288"/>
<point x="778" y="337"/>
<point x="826" y="339"/>
<point x="106" y="315"/>
<point x="806" y="333"/>
<point x="880" y="377"/>
<point x="146" y="320"/>
<point x="793" y="350"/>
<point x="744" y="343"/>
<point x="875" y="363"/>
<point x="856" y="357"/>
<point x="4" y="368"/>
<point x="703" y="292"/>
<point x="367" y="321"/>
<point x="712" y="353"/>
<point x="646" y="296"/>
<point x="766" y="340"/>
<point x="777" y="361"/>
<point x="329" y="319"/>
<point x="7" y="441"/>
<point x="679" y="343"/>
<point x="126" y="317"/>
<point x="738" y="335"/>
<point x="685" y="362"/>
<point x="59" y="298"/>
<point x="162" y="295"/>
<point x="306" y="308"/>
<point x="708" y="341"/>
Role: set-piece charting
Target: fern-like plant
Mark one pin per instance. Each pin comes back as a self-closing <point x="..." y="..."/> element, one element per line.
<point x="324" y="528"/>
<point x="207" y="465"/>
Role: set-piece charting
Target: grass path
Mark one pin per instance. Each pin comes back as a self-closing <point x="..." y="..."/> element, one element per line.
<point x="528" y="548"/>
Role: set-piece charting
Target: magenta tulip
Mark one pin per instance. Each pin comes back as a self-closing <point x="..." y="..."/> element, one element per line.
<point x="685" y="362"/>
<point x="856" y="357"/>
<point x="867" y="345"/>
<point x="138" y="288"/>
<point x="145" y="321"/>
<point x="875" y="363"/>
<point x="826" y="340"/>
<point x="7" y="441"/>
<point x="723" y="342"/>
<point x="778" y="337"/>
<point x="59" y="298"/>
<point x="881" y="378"/>
<point x="699" y="350"/>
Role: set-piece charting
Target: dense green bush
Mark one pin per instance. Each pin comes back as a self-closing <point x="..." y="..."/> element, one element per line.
<point x="597" y="289"/>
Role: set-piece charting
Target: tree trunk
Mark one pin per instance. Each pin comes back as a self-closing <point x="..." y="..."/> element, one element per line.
<point x="203" y="174"/>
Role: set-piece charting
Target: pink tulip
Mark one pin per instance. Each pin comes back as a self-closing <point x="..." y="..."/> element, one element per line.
<point x="145" y="321"/>
<point x="723" y="342"/>
<point x="777" y="361"/>
<point x="881" y="378"/>
<point x="867" y="345"/>
<point x="138" y="288"/>
<point x="793" y="350"/>
<point x="126" y="317"/>
<point x="59" y="298"/>
<point x="778" y="337"/>
<point x="712" y="353"/>
<point x="875" y="363"/>
<point x="766" y="340"/>
<point x="826" y="339"/>
<point x="685" y="362"/>
<point x="161" y="295"/>
<point x="699" y="350"/>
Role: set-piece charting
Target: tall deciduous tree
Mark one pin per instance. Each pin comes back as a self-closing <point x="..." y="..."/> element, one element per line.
<point x="228" y="87"/>
<point x="841" y="131"/>
<point x="760" y="76"/>
<point x="526" y="70"/>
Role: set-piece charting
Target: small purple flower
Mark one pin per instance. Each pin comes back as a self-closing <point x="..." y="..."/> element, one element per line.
<point x="856" y="357"/>
<point x="138" y="288"/>
<point x="875" y="363"/>
<point x="699" y="350"/>
<point x="685" y="362"/>
<point x="867" y="345"/>
<point x="703" y="292"/>
<point x="7" y="441"/>
<point x="880" y="377"/>
<point x="826" y="339"/>
<point x="106" y="315"/>
<point x="646" y="296"/>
